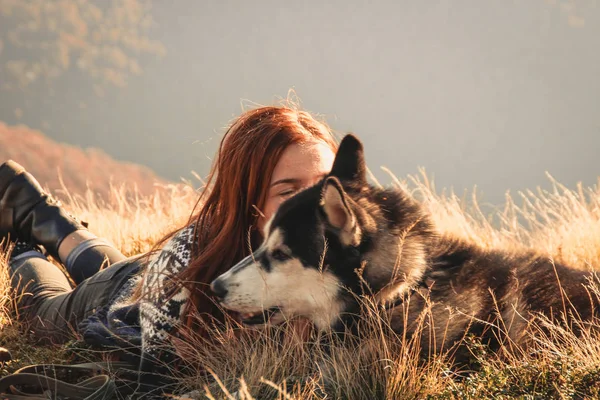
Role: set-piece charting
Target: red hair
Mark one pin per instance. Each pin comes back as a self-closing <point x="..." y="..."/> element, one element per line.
<point x="236" y="189"/>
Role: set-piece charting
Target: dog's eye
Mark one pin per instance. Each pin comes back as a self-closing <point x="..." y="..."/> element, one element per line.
<point x="279" y="255"/>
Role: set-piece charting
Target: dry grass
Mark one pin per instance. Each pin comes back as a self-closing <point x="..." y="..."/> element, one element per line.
<point x="280" y="363"/>
<point x="130" y="221"/>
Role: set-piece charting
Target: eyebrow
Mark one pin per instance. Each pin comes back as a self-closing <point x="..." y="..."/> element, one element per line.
<point x="292" y="180"/>
<point x="286" y="180"/>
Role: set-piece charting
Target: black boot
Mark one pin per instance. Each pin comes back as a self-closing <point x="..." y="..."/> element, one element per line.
<point x="29" y="213"/>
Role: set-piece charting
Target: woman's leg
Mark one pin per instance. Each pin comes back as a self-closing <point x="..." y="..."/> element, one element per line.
<point x="47" y="302"/>
<point x="85" y="254"/>
<point x="30" y="214"/>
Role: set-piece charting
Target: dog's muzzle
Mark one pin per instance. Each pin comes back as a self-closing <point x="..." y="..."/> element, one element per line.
<point x="219" y="285"/>
<point x="219" y="288"/>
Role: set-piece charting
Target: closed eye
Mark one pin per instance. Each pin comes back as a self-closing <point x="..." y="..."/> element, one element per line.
<point x="287" y="193"/>
<point x="280" y="255"/>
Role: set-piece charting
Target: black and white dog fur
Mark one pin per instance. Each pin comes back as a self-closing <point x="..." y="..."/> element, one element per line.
<point x="344" y="238"/>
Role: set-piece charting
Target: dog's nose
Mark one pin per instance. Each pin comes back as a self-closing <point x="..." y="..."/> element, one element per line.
<point x="218" y="288"/>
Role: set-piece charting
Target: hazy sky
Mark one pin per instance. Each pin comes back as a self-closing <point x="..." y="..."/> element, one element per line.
<point x="486" y="93"/>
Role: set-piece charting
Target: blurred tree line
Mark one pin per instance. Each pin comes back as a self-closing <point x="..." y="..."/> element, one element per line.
<point x="42" y="40"/>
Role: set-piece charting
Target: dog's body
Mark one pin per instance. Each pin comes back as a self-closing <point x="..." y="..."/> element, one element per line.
<point x="343" y="238"/>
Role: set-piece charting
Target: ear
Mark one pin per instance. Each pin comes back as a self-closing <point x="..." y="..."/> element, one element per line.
<point x="349" y="163"/>
<point x="335" y="206"/>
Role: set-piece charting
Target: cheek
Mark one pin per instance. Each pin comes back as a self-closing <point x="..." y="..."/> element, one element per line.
<point x="266" y="212"/>
<point x="270" y="207"/>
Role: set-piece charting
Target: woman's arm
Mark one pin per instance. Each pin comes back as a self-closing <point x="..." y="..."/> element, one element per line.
<point x="163" y="301"/>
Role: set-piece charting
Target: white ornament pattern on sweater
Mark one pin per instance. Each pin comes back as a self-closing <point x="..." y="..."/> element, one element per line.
<point x="162" y="303"/>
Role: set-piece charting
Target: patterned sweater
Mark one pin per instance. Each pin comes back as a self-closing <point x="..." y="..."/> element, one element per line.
<point x="148" y="322"/>
<point x="162" y="302"/>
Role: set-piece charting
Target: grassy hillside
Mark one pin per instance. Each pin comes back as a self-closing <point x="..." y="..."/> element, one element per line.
<point x="79" y="169"/>
<point x="564" y="223"/>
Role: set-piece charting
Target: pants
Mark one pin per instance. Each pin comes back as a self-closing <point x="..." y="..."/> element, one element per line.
<point x="48" y="303"/>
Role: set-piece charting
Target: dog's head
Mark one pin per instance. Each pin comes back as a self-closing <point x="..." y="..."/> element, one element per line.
<point x="319" y="242"/>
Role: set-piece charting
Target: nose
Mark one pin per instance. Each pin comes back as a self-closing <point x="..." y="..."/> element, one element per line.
<point x="218" y="288"/>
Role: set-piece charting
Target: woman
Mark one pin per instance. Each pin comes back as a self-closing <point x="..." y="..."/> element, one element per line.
<point x="265" y="156"/>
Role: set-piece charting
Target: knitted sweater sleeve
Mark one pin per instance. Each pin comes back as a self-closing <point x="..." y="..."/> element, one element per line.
<point x="162" y="303"/>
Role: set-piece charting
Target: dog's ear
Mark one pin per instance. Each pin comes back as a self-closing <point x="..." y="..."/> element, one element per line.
<point x="334" y="204"/>
<point x="349" y="163"/>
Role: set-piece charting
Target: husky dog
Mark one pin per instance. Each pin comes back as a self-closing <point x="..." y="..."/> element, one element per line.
<point x="343" y="239"/>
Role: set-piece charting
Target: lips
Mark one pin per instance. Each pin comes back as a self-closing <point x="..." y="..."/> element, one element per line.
<point x="259" y="317"/>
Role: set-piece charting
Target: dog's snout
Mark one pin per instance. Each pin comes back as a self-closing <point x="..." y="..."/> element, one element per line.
<point x="218" y="288"/>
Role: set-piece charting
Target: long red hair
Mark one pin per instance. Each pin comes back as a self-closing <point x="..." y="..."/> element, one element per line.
<point x="236" y="188"/>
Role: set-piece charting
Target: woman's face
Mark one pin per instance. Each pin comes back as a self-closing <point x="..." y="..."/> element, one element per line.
<point x="300" y="166"/>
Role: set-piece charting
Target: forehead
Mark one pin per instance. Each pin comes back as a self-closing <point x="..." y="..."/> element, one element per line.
<point x="303" y="161"/>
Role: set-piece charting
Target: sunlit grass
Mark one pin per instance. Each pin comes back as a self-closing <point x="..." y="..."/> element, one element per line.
<point x="260" y="364"/>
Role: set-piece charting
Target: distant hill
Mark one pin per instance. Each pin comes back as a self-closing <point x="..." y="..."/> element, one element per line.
<point x="79" y="168"/>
